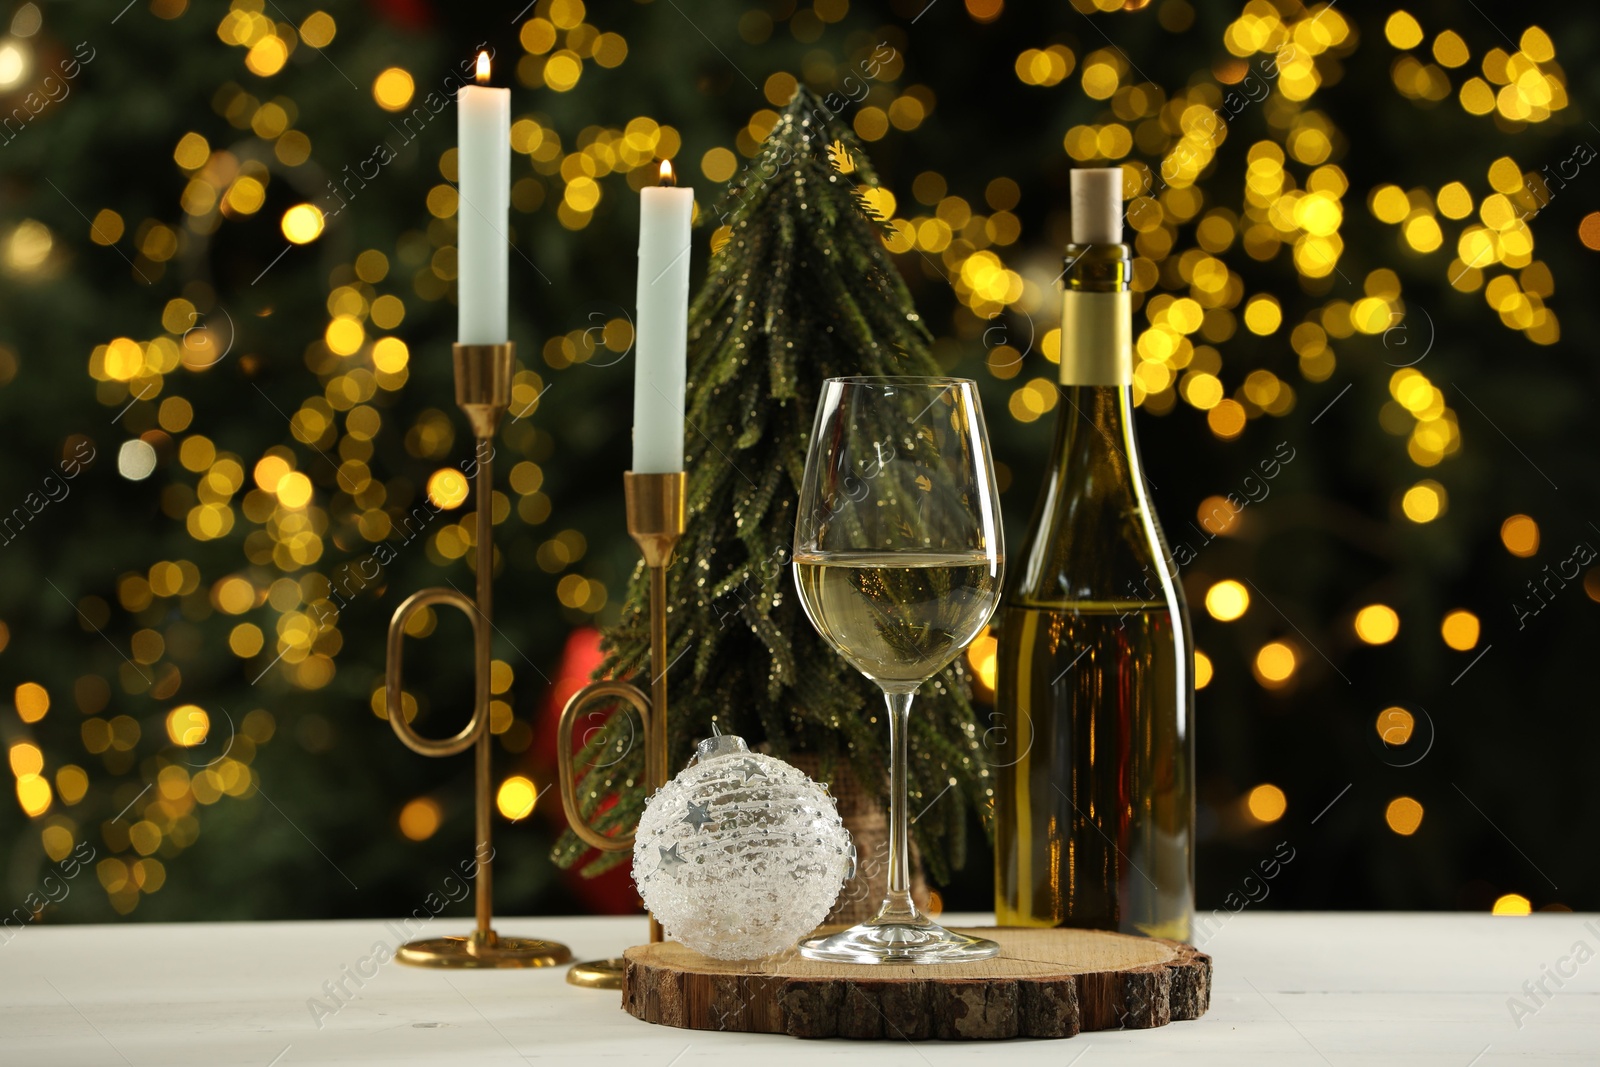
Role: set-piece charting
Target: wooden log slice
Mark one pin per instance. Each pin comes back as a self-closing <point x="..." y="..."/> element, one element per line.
<point x="1044" y="983"/>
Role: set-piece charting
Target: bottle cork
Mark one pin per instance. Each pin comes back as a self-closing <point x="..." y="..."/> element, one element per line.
<point x="1096" y="205"/>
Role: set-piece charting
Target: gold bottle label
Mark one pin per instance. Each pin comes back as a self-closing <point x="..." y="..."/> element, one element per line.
<point x="1096" y="338"/>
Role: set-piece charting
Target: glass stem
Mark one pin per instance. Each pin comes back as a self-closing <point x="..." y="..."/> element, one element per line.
<point x="898" y="906"/>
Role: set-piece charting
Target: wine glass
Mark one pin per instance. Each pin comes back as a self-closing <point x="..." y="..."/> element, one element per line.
<point x="897" y="557"/>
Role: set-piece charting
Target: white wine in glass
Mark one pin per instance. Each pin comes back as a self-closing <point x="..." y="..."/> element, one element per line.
<point x="898" y="558"/>
<point x="898" y="619"/>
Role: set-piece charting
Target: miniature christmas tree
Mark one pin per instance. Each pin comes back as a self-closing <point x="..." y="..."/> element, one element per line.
<point x="800" y="289"/>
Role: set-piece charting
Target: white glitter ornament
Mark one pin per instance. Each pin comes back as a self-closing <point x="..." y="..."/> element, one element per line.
<point x="741" y="854"/>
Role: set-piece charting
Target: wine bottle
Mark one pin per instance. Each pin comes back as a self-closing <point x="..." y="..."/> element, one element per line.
<point x="1094" y="692"/>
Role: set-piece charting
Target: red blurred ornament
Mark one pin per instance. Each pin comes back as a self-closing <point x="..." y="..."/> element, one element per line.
<point x="611" y="893"/>
<point x="411" y="14"/>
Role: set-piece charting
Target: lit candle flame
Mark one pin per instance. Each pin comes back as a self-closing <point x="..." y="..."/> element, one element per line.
<point x="667" y="177"/>
<point x="483" y="68"/>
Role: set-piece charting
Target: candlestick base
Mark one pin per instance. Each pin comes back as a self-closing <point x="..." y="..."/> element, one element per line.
<point x="597" y="974"/>
<point x="473" y="952"/>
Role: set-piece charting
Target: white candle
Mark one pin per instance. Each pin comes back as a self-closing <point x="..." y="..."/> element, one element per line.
<point x="483" y="160"/>
<point x="662" y="330"/>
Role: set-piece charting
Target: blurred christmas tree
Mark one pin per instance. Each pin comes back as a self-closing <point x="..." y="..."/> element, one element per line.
<point x="800" y="290"/>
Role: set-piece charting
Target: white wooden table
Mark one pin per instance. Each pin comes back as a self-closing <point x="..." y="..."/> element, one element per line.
<point x="1335" y="989"/>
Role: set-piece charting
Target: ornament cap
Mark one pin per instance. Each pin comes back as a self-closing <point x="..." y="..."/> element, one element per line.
<point x="720" y="745"/>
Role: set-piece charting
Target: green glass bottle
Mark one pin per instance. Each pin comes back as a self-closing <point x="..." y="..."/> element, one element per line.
<point x="1094" y="689"/>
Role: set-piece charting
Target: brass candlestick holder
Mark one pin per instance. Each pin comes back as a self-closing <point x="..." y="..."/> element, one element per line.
<point x="483" y="391"/>
<point x="655" y="522"/>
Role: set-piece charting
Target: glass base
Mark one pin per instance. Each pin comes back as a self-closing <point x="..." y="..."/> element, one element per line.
<point x="879" y="941"/>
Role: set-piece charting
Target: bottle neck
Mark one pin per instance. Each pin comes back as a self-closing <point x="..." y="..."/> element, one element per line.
<point x="1097" y="359"/>
<point x="1097" y="365"/>
<point x="1095" y="438"/>
<point x="1097" y="316"/>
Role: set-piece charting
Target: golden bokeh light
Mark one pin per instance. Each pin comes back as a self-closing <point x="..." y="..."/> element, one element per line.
<point x="72" y="782"/>
<point x="1227" y="600"/>
<point x="1536" y="45"/>
<point x="107" y="227"/>
<point x="294" y="490"/>
<point x="30" y="243"/>
<point x="1262" y="315"/>
<point x="718" y="164"/>
<point x="1454" y="200"/>
<point x="1044" y="67"/>
<point x="1423" y="233"/>
<point x="447" y="488"/>
<point x="1512" y="904"/>
<point x="188" y="725"/>
<point x="1404" y="816"/>
<point x="372" y="266"/>
<point x="26" y="759"/>
<point x="1227" y="419"/>
<point x="245" y="196"/>
<point x="1395" y="725"/>
<point x="245" y="640"/>
<point x="420" y="818"/>
<point x="32" y="701"/>
<point x="563" y="70"/>
<point x="388" y="312"/>
<point x="1218" y="515"/>
<point x="267" y="56"/>
<point x="269" y="471"/>
<point x="1202" y="669"/>
<point x="1477" y="98"/>
<point x="390" y="355"/>
<point x="144" y="836"/>
<point x="1389" y="203"/>
<point x="1403" y="30"/>
<point x="393" y="89"/>
<point x="302" y="223"/>
<point x="1424" y="501"/>
<point x="1520" y="535"/>
<point x="516" y="797"/>
<point x="1460" y="630"/>
<point x="1377" y="624"/>
<point x="318" y="29"/>
<point x="780" y="88"/>
<point x="1450" y="50"/>
<point x="33" y="794"/>
<point x="1267" y="803"/>
<point x="1589" y="230"/>
<point x="192" y="151"/>
<point x="871" y="123"/>
<point x="582" y="194"/>
<point x="1275" y="664"/>
<point x="345" y="335"/>
<point x="234" y="595"/>
<point x="1202" y="390"/>
<point x="982" y="658"/>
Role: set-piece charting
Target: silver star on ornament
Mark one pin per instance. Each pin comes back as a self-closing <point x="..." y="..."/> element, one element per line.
<point x="670" y="858"/>
<point x="752" y="769"/>
<point x="699" y="815"/>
